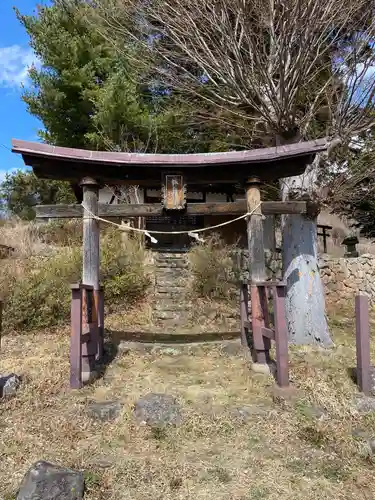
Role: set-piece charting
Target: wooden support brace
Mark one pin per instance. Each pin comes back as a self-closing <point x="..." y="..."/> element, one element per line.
<point x="75" y="338"/>
<point x="269" y="333"/>
<point x="99" y="303"/>
<point x="281" y="336"/>
<point x="259" y="313"/>
<point x="1" y="320"/>
<point x="248" y="325"/>
<point x="244" y="314"/>
<point x="363" y="343"/>
<point x="89" y="339"/>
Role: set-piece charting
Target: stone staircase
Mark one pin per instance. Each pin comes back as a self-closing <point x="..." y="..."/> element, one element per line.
<point x="171" y="277"/>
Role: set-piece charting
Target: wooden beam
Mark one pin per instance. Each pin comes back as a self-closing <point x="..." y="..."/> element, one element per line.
<point x="152" y="209"/>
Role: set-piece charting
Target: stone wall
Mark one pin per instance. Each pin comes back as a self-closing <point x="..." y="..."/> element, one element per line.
<point x="343" y="278"/>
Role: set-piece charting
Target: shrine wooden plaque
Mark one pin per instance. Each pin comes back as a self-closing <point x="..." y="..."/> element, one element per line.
<point x="174" y="192"/>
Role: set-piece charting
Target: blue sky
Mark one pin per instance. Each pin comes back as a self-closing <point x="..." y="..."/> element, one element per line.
<point x="15" y="57"/>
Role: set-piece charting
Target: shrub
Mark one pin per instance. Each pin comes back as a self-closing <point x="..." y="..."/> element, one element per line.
<point x="41" y="297"/>
<point x="123" y="271"/>
<point x="61" y="232"/>
<point x="214" y="268"/>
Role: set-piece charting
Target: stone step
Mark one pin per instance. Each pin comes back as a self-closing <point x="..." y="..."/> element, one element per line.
<point x="170" y="270"/>
<point x="176" y="264"/>
<point x="170" y="256"/>
<point x="169" y="282"/>
<point x="169" y="305"/>
<point x="169" y="315"/>
<point x="161" y="290"/>
<point x="172" y="295"/>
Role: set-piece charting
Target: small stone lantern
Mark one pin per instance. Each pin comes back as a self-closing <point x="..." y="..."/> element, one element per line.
<point x="350" y="242"/>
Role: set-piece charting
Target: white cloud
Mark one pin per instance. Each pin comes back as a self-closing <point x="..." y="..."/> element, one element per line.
<point x="14" y="64"/>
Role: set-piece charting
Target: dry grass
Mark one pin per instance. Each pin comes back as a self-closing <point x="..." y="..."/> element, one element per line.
<point x="285" y="454"/>
<point x="24" y="237"/>
<point x="213" y="268"/>
<point x="202" y="316"/>
<point x="35" y="288"/>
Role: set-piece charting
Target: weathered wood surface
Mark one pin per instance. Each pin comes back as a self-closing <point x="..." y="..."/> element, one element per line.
<point x="269" y="333"/>
<point x="99" y="302"/>
<point x="155" y="209"/>
<point x="269" y="233"/>
<point x="75" y="339"/>
<point x="255" y="232"/>
<point x="363" y="344"/>
<point x="281" y="335"/>
<point x="90" y="274"/>
<point x="257" y="268"/>
<point x="244" y="315"/>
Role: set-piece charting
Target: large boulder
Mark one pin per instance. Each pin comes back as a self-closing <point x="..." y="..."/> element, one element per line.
<point x="9" y="385"/>
<point x="45" y="481"/>
<point x="157" y="410"/>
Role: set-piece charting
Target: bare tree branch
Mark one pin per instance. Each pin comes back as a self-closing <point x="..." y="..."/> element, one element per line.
<point x="275" y="62"/>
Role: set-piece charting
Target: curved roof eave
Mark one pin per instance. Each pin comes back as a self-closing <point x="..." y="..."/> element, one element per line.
<point x="263" y="155"/>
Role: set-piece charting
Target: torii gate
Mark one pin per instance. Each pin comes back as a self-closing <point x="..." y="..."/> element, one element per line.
<point x="245" y="170"/>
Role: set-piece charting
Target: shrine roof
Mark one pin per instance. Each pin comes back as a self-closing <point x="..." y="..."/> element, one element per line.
<point x="35" y="149"/>
<point x="63" y="163"/>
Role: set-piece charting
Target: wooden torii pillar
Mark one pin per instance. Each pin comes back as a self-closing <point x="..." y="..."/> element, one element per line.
<point x="87" y="298"/>
<point x="257" y="270"/>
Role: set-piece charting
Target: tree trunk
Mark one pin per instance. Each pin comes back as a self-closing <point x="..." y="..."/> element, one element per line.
<point x="305" y="303"/>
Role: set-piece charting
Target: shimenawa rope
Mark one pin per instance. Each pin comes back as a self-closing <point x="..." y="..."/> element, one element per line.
<point x="193" y="233"/>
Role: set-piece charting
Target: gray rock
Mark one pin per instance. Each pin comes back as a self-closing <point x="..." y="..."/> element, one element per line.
<point x="104" y="411"/>
<point x="157" y="410"/>
<point x="45" y="481"/>
<point x="372" y="378"/>
<point x="364" y="404"/>
<point x="88" y="377"/>
<point x="9" y="385"/>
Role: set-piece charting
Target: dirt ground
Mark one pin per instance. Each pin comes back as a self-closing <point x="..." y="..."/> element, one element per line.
<point x="239" y="439"/>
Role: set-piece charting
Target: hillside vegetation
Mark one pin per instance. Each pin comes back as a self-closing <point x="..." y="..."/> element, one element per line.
<point x="35" y="278"/>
